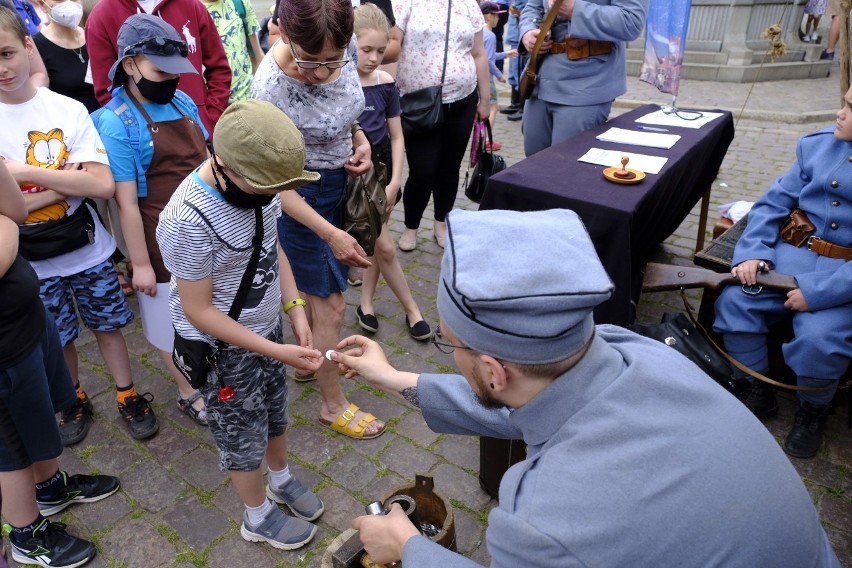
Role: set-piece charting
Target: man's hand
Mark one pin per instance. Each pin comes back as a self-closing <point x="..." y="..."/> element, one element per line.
<point x="566" y="9"/>
<point x="144" y="279"/>
<point x="747" y="271"/>
<point x="367" y="359"/>
<point x="384" y="536"/>
<point x="512" y="53"/>
<point x="796" y="301"/>
<point x="529" y="41"/>
<point x="502" y="78"/>
<point x="347" y="250"/>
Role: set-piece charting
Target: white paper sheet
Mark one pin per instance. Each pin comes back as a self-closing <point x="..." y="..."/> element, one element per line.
<point x="665" y="119"/>
<point x="609" y="158"/>
<point x="637" y="138"/>
<point x="156" y="318"/>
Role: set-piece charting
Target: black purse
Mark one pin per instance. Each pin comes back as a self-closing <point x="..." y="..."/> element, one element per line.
<point x="193" y="357"/>
<point x="365" y="205"/>
<point x="487" y="164"/>
<point x="49" y="239"/>
<point x="679" y="333"/>
<point x="423" y="109"/>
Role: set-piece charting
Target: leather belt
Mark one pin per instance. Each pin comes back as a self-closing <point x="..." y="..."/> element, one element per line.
<point x="829" y="249"/>
<point x="581" y="48"/>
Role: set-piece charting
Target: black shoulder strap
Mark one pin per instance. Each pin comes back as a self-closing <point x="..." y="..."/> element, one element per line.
<point x="248" y="275"/>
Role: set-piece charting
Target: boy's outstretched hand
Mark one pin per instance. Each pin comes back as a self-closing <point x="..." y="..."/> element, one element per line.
<point x="304" y="359"/>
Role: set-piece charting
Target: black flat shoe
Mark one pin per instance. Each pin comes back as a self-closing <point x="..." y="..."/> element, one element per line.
<point x="368" y="322"/>
<point x="420" y="330"/>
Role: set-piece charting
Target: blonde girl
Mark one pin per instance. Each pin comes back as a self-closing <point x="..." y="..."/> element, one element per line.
<point x="382" y="124"/>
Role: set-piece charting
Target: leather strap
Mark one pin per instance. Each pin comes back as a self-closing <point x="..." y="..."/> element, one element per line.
<point x="545" y="28"/>
<point x="829" y="249"/>
<point x="750" y="372"/>
<point x="576" y="48"/>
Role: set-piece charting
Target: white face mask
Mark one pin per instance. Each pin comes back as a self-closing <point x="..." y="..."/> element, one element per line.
<point x="67" y="14"/>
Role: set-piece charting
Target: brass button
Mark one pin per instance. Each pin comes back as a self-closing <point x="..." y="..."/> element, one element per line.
<point x="835" y="203"/>
<point x="834" y="183"/>
<point x="834" y="225"/>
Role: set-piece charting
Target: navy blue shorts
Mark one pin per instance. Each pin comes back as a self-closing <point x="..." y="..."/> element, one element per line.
<point x="97" y="296"/>
<point x="32" y="392"/>
<point x="315" y="268"/>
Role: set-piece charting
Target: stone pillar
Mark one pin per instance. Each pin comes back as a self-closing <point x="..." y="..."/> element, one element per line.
<point x="734" y="38"/>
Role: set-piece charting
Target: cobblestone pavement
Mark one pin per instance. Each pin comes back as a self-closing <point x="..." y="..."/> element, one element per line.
<point x="177" y="509"/>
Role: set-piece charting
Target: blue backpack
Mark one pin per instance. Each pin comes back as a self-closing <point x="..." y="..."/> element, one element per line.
<point x="122" y="109"/>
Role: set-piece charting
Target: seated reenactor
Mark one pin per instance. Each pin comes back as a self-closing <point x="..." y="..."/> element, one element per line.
<point x="802" y="226"/>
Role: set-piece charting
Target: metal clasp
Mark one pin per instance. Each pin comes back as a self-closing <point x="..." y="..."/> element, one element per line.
<point x="811" y="240"/>
<point x="752" y="290"/>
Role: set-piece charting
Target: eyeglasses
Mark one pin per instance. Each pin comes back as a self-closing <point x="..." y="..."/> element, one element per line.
<point x="317" y="64"/>
<point x="443" y="346"/>
<point x="159" y="46"/>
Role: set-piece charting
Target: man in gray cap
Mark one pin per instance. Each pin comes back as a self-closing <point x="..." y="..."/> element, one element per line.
<point x="635" y="457"/>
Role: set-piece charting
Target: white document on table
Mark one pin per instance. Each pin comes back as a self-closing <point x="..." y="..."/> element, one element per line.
<point x="637" y="138"/>
<point x="671" y="119"/>
<point x="610" y="158"/>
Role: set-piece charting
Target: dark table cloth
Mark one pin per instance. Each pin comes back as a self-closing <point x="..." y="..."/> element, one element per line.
<point x="625" y="222"/>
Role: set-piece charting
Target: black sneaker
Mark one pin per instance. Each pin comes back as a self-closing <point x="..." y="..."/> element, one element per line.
<point x="516" y="117"/>
<point x="139" y="415"/>
<point x="511" y="109"/>
<point x="805" y="436"/>
<point x="51" y="546"/>
<point x="79" y="489"/>
<point x="761" y="400"/>
<point x="420" y="330"/>
<point x="75" y="421"/>
<point x="368" y="322"/>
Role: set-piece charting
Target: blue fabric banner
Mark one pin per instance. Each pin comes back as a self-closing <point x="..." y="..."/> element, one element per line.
<point x="665" y="40"/>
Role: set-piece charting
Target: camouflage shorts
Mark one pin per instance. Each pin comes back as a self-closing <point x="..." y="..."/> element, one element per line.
<point x="98" y="297"/>
<point x="242" y="426"/>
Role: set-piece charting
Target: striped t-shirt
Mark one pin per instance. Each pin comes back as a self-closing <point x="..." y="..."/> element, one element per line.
<point x="201" y="235"/>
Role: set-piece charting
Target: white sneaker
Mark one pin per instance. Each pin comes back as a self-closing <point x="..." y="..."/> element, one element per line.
<point x="814" y="37"/>
<point x="806" y="38"/>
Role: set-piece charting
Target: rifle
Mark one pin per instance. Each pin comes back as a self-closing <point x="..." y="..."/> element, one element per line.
<point x="662" y="277"/>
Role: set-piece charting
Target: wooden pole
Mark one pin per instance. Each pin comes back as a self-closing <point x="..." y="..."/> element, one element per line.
<point x="845" y="6"/>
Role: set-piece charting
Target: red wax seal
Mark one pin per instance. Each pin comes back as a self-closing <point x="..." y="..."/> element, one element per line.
<point x="226" y="393"/>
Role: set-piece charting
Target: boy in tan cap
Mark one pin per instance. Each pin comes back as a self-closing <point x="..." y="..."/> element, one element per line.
<point x="207" y="234"/>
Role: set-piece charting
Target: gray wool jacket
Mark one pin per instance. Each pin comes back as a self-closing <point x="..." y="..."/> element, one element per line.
<point x="635" y="458"/>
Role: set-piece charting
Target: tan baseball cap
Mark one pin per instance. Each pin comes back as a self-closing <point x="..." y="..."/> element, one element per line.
<point x="260" y="143"/>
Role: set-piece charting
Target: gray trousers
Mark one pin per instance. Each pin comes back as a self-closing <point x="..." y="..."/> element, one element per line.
<point x="546" y="124"/>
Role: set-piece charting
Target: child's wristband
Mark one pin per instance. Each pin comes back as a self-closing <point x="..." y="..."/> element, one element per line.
<point x="293" y="303"/>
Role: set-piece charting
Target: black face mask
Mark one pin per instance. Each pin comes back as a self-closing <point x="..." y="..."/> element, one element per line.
<point x="160" y="92"/>
<point x="236" y="196"/>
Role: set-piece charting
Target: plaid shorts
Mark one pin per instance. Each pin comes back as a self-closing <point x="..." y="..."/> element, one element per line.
<point x="242" y="426"/>
<point x="98" y="297"/>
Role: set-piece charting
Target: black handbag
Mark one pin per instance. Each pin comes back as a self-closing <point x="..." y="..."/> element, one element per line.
<point x="365" y="205"/>
<point x="423" y="109"/>
<point x="49" y="239"/>
<point x="194" y="358"/>
<point x="679" y="333"/>
<point x="487" y="164"/>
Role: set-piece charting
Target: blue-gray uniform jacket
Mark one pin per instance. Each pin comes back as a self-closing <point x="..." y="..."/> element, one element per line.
<point x="596" y="79"/>
<point x="820" y="184"/>
<point x="637" y="459"/>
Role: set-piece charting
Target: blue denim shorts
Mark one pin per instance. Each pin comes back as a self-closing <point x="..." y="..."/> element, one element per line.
<point x="97" y="296"/>
<point x="316" y="270"/>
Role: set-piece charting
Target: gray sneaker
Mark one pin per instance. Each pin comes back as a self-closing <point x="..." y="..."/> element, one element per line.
<point x="279" y="530"/>
<point x="304" y="504"/>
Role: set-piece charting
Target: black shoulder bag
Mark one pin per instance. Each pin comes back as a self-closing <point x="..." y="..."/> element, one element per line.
<point x="423" y="109"/>
<point x="193" y="358"/>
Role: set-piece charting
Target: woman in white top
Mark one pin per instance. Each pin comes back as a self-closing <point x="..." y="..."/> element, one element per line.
<point x="434" y="157"/>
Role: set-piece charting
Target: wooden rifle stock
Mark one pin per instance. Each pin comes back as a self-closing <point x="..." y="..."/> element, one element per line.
<point x="662" y="277"/>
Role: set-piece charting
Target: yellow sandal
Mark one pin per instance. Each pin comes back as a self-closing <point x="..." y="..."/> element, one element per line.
<point x="345" y="424"/>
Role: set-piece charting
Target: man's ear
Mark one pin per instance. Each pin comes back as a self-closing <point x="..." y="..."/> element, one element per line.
<point x="498" y="375"/>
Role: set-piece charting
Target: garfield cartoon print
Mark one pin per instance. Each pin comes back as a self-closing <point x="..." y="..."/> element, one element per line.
<point x="47" y="150"/>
